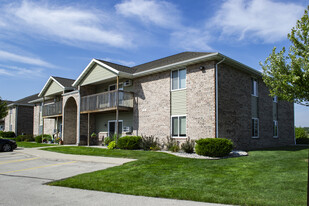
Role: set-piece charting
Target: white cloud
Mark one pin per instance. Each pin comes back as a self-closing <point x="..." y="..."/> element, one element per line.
<point x="191" y="39"/>
<point x="71" y="25"/>
<point x="6" y="70"/>
<point x="264" y="19"/>
<point x="8" y="56"/>
<point x="160" y="13"/>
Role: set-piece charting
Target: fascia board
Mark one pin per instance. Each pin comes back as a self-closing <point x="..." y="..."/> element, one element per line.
<point x="174" y="65"/>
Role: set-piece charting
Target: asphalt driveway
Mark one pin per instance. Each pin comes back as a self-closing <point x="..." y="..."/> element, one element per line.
<point x="23" y="174"/>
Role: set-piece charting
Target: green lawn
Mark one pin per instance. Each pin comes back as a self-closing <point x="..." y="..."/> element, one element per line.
<point x="266" y="177"/>
<point x="33" y="144"/>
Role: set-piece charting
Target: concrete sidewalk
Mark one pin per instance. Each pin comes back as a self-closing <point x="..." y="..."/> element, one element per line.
<point x="60" y="156"/>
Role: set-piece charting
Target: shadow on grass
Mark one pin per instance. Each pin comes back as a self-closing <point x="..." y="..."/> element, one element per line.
<point x="284" y="148"/>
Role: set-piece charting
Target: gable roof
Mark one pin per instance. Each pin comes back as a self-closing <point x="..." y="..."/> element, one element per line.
<point x="64" y="83"/>
<point x="24" y="101"/>
<point x="163" y="64"/>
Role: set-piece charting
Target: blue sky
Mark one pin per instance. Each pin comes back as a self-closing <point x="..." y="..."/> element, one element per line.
<point x="43" y="38"/>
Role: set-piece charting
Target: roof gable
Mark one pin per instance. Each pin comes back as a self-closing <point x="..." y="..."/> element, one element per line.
<point x="55" y="85"/>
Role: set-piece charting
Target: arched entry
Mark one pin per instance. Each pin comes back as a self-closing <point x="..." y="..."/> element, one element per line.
<point x="70" y="122"/>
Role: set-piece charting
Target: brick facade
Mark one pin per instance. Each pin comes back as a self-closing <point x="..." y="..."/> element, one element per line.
<point x="235" y="112"/>
<point x="201" y="101"/>
<point x="151" y="110"/>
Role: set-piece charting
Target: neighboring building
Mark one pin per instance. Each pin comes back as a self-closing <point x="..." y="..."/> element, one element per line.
<point x="2" y="121"/>
<point x="20" y="116"/>
<point x="48" y="107"/>
<point x="190" y="94"/>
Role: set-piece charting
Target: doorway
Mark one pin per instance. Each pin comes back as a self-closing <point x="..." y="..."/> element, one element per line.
<point x="112" y="127"/>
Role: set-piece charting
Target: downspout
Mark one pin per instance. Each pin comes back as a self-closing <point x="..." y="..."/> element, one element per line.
<point x="217" y="105"/>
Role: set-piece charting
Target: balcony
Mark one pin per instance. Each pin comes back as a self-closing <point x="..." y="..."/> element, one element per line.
<point x="106" y="101"/>
<point x="53" y="109"/>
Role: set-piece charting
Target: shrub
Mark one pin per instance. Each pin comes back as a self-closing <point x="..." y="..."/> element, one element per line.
<point x="107" y="140"/>
<point x="188" y="146"/>
<point x="24" y="138"/>
<point x="217" y="147"/>
<point x="149" y="143"/>
<point x="7" y="134"/>
<point x="129" y="142"/>
<point x="111" y="145"/>
<point x="302" y="140"/>
<point x="174" y="148"/>
<point x="38" y="139"/>
<point x="171" y="144"/>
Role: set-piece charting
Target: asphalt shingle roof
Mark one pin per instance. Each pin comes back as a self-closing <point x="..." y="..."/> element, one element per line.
<point x="64" y="81"/>
<point x="26" y="100"/>
<point x="156" y="63"/>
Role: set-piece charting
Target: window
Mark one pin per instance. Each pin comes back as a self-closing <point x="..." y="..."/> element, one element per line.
<point x="179" y="126"/>
<point x="255" y="127"/>
<point x="254" y="88"/>
<point x="179" y="79"/>
<point x="275" y="128"/>
<point x="275" y="99"/>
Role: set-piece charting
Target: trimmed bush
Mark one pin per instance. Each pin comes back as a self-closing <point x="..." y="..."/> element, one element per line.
<point x="107" y="140"/>
<point x="7" y="134"/>
<point x="171" y="144"/>
<point x="24" y="138"/>
<point x="129" y="142"/>
<point x="150" y="143"/>
<point x="111" y="145"/>
<point x="188" y="146"/>
<point x="213" y="147"/>
<point x="302" y="140"/>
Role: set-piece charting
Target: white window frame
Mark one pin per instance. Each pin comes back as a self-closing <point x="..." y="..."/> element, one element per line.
<point x="275" y="121"/>
<point x="178" y="79"/>
<point x="255" y="87"/>
<point x="115" y="125"/>
<point x="258" y="127"/>
<point x="178" y="126"/>
<point x="275" y="99"/>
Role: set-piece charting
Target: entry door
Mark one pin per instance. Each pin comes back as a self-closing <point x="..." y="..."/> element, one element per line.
<point x="112" y="128"/>
<point x="112" y="96"/>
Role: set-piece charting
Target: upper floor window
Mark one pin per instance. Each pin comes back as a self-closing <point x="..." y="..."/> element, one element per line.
<point x="179" y="79"/>
<point x="254" y="88"/>
<point x="275" y="99"/>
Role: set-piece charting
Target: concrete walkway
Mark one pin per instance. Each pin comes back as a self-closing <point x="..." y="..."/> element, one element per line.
<point x="29" y="186"/>
<point x="60" y="156"/>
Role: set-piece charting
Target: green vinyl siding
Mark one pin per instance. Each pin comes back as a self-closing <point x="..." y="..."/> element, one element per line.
<point x="178" y="102"/>
<point x="275" y="111"/>
<point x="53" y="88"/>
<point x="97" y="74"/>
<point x="254" y="106"/>
<point x="103" y="118"/>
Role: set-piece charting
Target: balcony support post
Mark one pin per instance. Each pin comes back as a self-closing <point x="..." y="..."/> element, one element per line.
<point x="88" y="134"/>
<point x="43" y="119"/>
<point x="117" y="108"/>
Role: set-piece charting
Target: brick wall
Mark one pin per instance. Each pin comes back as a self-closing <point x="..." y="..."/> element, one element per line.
<point x="36" y="120"/>
<point x="25" y="120"/>
<point x="235" y="111"/>
<point x="151" y="113"/>
<point x="201" y="101"/>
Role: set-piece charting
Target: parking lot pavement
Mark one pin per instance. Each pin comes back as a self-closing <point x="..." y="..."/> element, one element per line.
<point x="23" y="176"/>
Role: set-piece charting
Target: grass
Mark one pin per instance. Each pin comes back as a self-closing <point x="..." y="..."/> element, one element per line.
<point x="33" y="144"/>
<point x="265" y="177"/>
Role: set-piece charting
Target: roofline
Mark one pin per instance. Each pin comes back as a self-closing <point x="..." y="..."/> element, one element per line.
<point x="177" y="64"/>
<point x="47" y="84"/>
<point x="17" y="104"/>
<point x="93" y="61"/>
<point x="211" y="56"/>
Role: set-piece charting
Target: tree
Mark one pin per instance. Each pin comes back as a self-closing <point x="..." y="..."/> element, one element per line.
<point x="3" y="109"/>
<point x="287" y="76"/>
